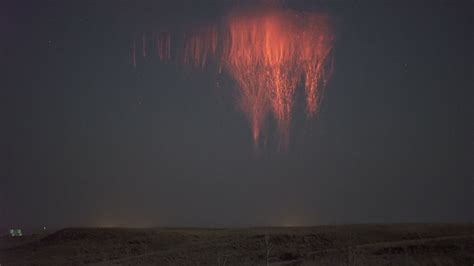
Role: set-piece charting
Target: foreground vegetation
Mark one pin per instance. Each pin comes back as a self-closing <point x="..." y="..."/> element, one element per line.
<point x="397" y="244"/>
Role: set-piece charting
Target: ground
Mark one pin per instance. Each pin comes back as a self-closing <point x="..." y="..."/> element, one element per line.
<point x="395" y="244"/>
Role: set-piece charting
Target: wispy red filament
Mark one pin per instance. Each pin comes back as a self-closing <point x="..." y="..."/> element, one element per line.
<point x="200" y="46"/>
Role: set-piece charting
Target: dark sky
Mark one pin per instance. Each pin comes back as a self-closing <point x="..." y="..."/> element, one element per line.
<point x="87" y="140"/>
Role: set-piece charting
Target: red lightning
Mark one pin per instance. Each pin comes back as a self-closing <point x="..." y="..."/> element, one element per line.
<point x="268" y="54"/>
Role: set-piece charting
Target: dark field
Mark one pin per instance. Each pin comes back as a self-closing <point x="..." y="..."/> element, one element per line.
<point x="404" y="244"/>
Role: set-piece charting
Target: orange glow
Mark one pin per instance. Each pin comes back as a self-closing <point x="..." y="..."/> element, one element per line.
<point x="268" y="54"/>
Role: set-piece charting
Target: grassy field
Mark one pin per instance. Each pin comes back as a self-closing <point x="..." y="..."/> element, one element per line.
<point x="397" y="244"/>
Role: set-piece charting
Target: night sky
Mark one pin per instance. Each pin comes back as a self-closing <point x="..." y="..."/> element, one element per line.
<point x="88" y="140"/>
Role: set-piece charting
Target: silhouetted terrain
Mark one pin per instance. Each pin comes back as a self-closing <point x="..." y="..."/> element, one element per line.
<point x="401" y="244"/>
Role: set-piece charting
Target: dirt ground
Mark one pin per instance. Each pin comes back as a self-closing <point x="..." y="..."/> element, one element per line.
<point x="387" y="244"/>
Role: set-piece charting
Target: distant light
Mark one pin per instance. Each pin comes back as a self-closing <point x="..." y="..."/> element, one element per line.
<point x="15" y="232"/>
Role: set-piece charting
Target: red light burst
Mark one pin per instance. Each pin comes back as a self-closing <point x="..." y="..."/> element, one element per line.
<point x="268" y="54"/>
